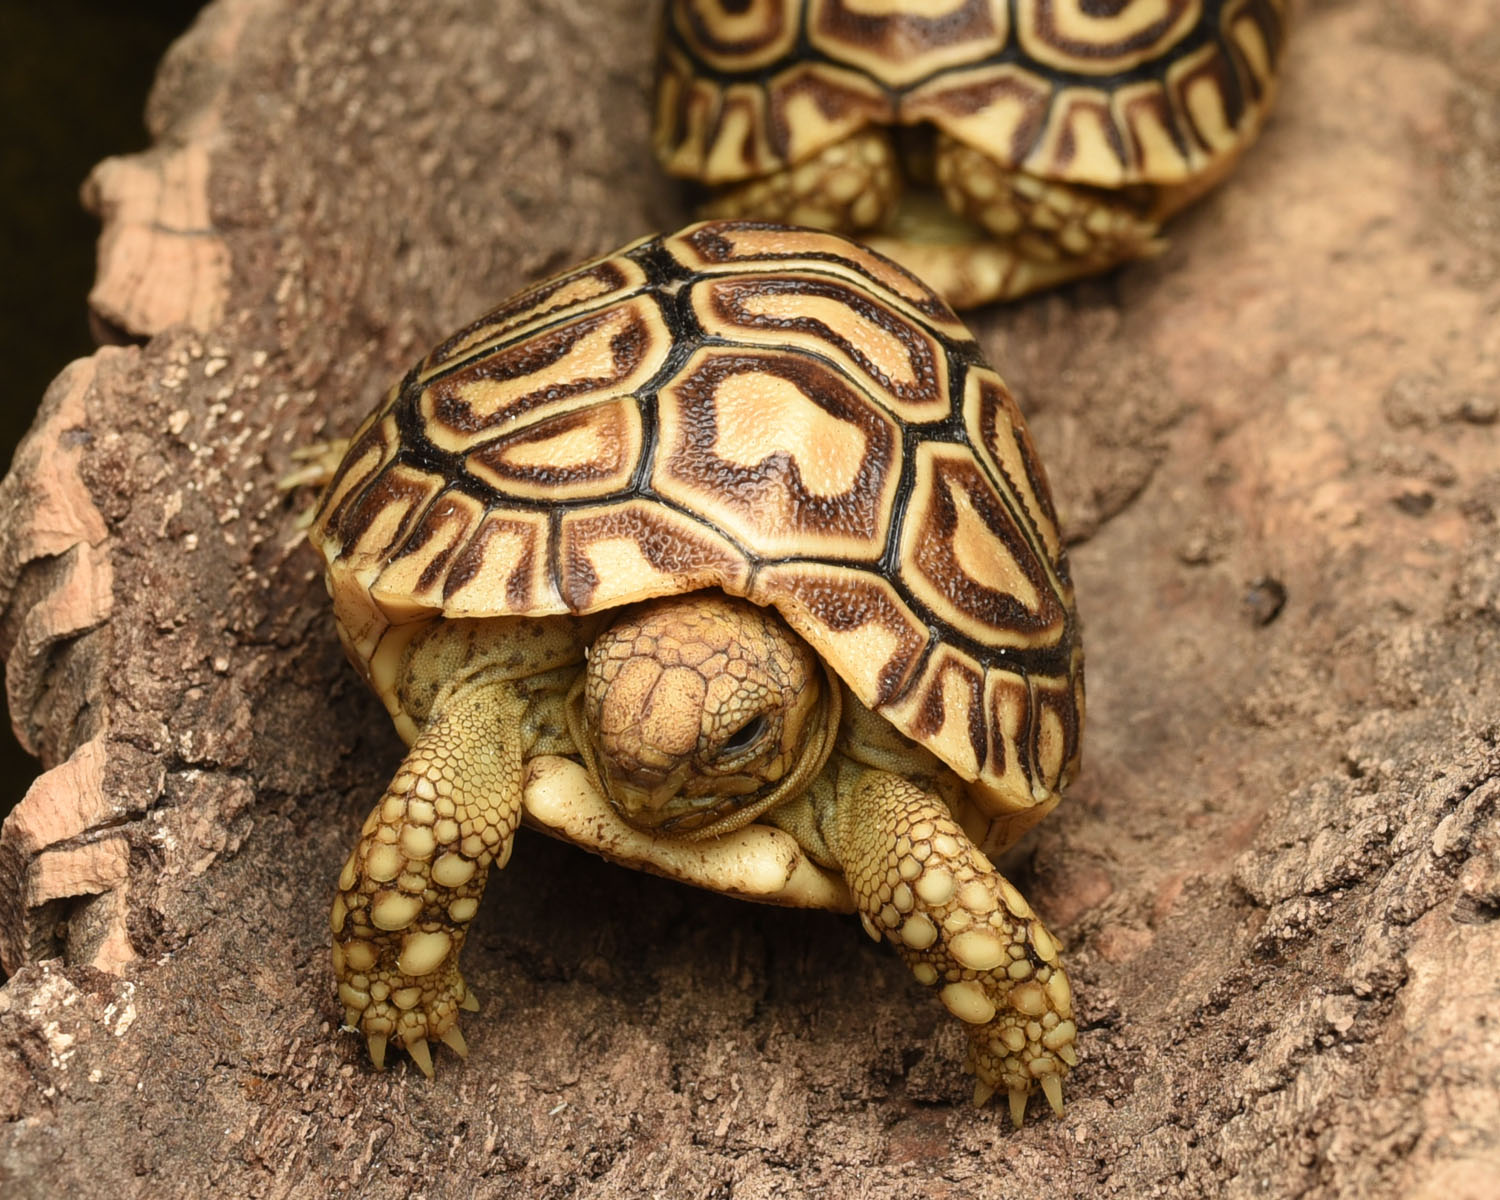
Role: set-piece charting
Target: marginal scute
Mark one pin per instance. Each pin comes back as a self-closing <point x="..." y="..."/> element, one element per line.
<point x="854" y="618"/>
<point x="811" y="106"/>
<point x="1000" y="108"/>
<point x="378" y="518"/>
<point x="999" y="436"/>
<point x="1205" y="90"/>
<point x="370" y="450"/>
<point x="1255" y="29"/>
<point x="1007" y="702"/>
<point x="944" y="710"/>
<point x="1081" y="142"/>
<point x="415" y="574"/>
<point x="1148" y="128"/>
<point x="502" y="568"/>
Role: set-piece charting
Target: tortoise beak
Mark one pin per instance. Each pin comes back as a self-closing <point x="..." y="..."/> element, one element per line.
<point x="665" y="807"/>
<point x="644" y="804"/>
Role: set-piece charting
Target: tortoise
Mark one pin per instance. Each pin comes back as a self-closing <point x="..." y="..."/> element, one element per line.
<point x="729" y="558"/>
<point x="993" y="148"/>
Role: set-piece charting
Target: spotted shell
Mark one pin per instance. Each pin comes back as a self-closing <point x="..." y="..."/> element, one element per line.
<point x="1098" y="92"/>
<point x="778" y="413"/>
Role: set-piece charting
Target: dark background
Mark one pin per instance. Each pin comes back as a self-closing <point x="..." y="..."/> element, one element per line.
<point x="73" y="90"/>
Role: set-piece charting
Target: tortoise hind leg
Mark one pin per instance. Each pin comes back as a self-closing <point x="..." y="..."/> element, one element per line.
<point x="848" y="186"/>
<point x="1044" y="232"/>
<point x="961" y="927"/>
<point x="413" y="883"/>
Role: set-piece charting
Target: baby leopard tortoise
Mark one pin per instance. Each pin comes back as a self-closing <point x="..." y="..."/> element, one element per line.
<point x="992" y="146"/>
<point x="726" y="557"/>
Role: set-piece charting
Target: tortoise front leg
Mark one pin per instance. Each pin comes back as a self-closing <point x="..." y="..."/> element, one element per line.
<point x="413" y="883"/>
<point x="962" y="928"/>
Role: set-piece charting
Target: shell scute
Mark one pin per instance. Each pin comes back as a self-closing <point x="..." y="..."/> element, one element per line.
<point x="787" y="454"/>
<point x="735" y="247"/>
<point x="840" y="321"/>
<point x="607" y="352"/>
<point x="573" y="454"/>
<point x="548" y="301"/>
<point x="638" y="549"/>
<point x="998" y="434"/>
<point x="899" y="46"/>
<point x="970" y="562"/>
<point x="502" y="570"/>
<point x="857" y="620"/>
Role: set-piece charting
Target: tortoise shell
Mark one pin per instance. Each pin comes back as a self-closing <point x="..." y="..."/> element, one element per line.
<point x="1105" y="93"/>
<point x="778" y="413"/>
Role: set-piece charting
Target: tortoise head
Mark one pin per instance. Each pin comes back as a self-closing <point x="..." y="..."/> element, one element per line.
<point x="699" y="712"/>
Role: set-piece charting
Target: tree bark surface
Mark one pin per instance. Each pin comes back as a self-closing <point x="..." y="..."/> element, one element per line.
<point x="1278" y="878"/>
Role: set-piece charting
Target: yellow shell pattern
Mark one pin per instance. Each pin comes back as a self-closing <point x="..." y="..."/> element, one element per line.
<point x="779" y="413"/>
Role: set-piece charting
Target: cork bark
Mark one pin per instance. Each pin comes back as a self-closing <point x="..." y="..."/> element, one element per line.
<point x="1275" y="447"/>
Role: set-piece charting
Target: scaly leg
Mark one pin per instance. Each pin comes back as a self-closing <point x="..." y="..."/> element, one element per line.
<point x="961" y="927"/>
<point x="413" y="883"/>
<point x="851" y="185"/>
<point x="1057" y="231"/>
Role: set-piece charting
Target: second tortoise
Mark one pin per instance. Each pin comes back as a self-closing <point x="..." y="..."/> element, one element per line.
<point x="994" y="147"/>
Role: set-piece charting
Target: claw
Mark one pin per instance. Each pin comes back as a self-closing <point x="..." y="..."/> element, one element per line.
<point x="319" y="464"/>
<point x="376" y="1042"/>
<point x="301" y="477"/>
<point x="982" y="1093"/>
<point x="1018" y="1106"/>
<point x="1068" y="1055"/>
<point x="455" y="1042"/>
<point x="470" y="1002"/>
<point x="420" y="1055"/>
<point x="1052" y="1089"/>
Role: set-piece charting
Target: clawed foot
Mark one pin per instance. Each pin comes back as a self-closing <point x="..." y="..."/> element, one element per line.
<point x="970" y="936"/>
<point x="389" y="998"/>
<point x="413" y="883"/>
<point x="1029" y="1042"/>
<point x="1029" y="1045"/>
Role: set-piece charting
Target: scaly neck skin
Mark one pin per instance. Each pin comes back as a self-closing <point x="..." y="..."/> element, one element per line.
<point x="865" y="743"/>
<point x="540" y="658"/>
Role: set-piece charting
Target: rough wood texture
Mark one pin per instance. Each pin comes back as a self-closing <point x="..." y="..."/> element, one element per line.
<point x="1278" y="877"/>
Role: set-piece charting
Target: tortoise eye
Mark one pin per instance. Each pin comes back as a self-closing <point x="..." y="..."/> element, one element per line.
<point x="744" y="737"/>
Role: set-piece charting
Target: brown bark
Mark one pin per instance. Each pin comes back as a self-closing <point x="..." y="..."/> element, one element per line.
<point x="1278" y="878"/>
